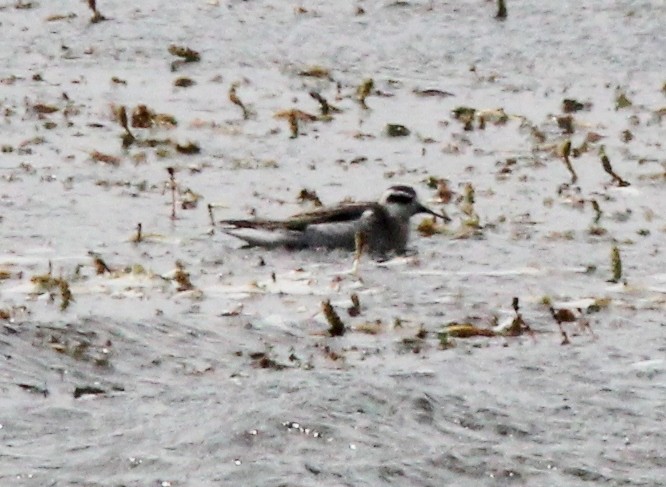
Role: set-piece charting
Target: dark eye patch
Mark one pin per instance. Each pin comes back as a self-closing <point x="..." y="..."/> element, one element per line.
<point x="404" y="189"/>
<point x="401" y="198"/>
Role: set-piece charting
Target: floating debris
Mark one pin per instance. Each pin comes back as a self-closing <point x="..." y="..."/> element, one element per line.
<point x="138" y="237"/>
<point x="184" y="82"/>
<point x="607" y="167"/>
<point x="336" y="326"/>
<point x="294" y="116"/>
<point x="325" y="107"/>
<point x="128" y="138"/>
<point x="464" y="330"/>
<point x="233" y="97"/>
<point x="96" y="17"/>
<point x="263" y="361"/>
<point x="181" y="277"/>
<point x="44" y="109"/>
<point x="142" y="117"/>
<point x="189" y="148"/>
<point x="189" y="199"/>
<point x="616" y="264"/>
<point x="566" y="123"/>
<point x="46" y="283"/>
<point x="465" y="115"/>
<point x="432" y="93"/>
<point x="360" y="244"/>
<point x="99" y="264"/>
<point x="570" y="105"/>
<point x="355" y="308"/>
<point x="467" y="207"/>
<point x="316" y="72"/>
<point x="363" y="91"/>
<point x="560" y="316"/>
<point x="186" y="54"/>
<point x="87" y="391"/>
<point x="501" y="10"/>
<point x="396" y="130"/>
<point x="518" y="326"/>
<point x="622" y="101"/>
<point x="565" y="151"/>
<point x="172" y="186"/>
<point x="42" y="391"/>
<point x="309" y="195"/>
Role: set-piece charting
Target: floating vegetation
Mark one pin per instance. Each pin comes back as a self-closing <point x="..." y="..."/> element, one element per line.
<point x="80" y="391"/>
<point x="566" y="123"/>
<point x="263" y="361"/>
<point x="309" y="195"/>
<point x="565" y="151"/>
<point x="96" y="17"/>
<point x="608" y="168"/>
<point x="501" y="10"/>
<point x="325" y="107"/>
<point x="431" y="93"/>
<point x="142" y="117"/>
<point x="464" y="330"/>
<point x="189" y="148"/>
<point x="616" y="264"/>
<point x="172" y="186"/>
<point x="105" y="158"/>
<point x="99" y="264"/>
<point x="561" y="316"/>
<point x="622" y="101"/>
<point x="570" y="105"/>
<point x="42" y="391"/>
<point x="43" y="109"/>
<point x="185" y="54"/>
<point x="595" y="228"/>
<point x="182" y="278"/>
<point x="138" y="236"/>
<point x="355" y="308"/>
<point x="467" y="207"/>
<point x="626" y="136"/>
<point x="294" y="116"/>
<point x="128" y="138"/>
<point x="46" y="283"/>
<point x="316" y="72"/>
<point x="189" y="199"/>
<point x="465" y="115"/>
<point x="396" y="130"/>
<point x="518" y="326"/>
<point x="184" y="82"/>
<point x="429" y="227"/>
<point x="336" y="326"/>
<point x="363" y="91"/>
<point x="233" y="98"/>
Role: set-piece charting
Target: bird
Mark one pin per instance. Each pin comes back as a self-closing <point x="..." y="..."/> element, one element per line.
<point x="384" y="225"/>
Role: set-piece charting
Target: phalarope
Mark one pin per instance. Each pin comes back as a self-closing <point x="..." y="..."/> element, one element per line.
<point x="384" y="225"/>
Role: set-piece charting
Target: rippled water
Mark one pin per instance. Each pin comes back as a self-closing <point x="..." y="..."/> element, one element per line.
<point x="237" y="382"/>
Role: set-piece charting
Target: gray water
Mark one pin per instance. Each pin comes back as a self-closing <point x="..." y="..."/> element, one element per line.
<point x="183" y="398"/>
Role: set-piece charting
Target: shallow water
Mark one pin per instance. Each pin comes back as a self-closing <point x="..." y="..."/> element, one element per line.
<point x="185" y="400"/>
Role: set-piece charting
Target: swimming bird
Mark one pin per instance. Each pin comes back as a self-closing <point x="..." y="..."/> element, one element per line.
<point x="384" y="225"/>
